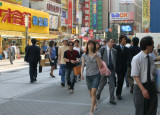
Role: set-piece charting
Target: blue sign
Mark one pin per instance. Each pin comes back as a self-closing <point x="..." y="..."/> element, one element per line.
<point x="94" y="13"/>
<point x="40" y="21"/>
<point x="106" y="30"/>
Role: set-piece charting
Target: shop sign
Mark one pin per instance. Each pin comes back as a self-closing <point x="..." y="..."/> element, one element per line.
<point x="53" y="22"/>
<point x="64" y="14"/>
<point x="69" y="13"/>
<point x="64" y="4"/>
<point x="126" y="1"/>
<point x="54" y="8"/>
<point x="77" y="9"/>
<point x="94" y="13"/>
<point x="14" y="1"/>
<point x="12" y="18"/>
<point x="122" y="16"/>
<point x="18" y="18"/>
<point x="121" y="21"/>
<point x="87" y="13"/>
<point x="146" y="15"/>
<point x="91" y="33"/>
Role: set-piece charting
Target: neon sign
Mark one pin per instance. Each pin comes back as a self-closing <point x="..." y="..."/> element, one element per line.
<point x="94" y="13"/>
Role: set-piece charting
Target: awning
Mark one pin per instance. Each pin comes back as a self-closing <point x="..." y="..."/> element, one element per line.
<point x="22" y="34"/>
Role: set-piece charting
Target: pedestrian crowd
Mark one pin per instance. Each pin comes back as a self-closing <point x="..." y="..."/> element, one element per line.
<point x="109" y="63"/>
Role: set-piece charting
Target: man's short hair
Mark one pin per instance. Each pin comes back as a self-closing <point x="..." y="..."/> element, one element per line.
<point x="121" y="37"/>
<point x="33" y="41"/>
<point x="146" y="41"/>
<point x="70" y="42"/>
<point x="76" y="41"/>
<point x="128" y="41"/>
<point x="108" y="39"/>
<point x="135" y="41"/>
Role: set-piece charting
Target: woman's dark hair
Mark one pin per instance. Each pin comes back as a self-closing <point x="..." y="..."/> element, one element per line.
<point x="71" y="43"/>
<point x="34" y="41"/>
<point x="98" y="44"/>
<point x="76" y="41"/>
<point x="51" y="43"/>
<point x="108" y="39"/>
<point x="135" y="41"/>
<point x="146" y="41"/>
<point x="121" y="37"/>
<point x="94" y="49"/>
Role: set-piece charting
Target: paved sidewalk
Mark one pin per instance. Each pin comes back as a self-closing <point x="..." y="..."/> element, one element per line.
<point x="47" y="97"/>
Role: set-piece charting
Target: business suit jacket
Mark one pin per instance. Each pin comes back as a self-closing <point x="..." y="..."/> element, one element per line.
<point x="104" y="53"/>
<point x="33" y="54"/>
<point x="122" y="59"/>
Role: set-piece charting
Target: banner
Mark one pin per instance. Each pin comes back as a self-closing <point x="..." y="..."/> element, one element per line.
<point x="91" y="33"/>
<point x="14" y="1"/>
<point x="84" y="30"/>
<point x="77" y="9"/>
<point x="87" y="13"/>
<point x="94" y="13"/>
<point x="146" y="15"/>
<point x="69" y="13"/>
<point x="53" y="22"/>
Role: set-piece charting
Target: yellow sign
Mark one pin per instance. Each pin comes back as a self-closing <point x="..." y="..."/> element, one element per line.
<point x="64" y="4"/>
<point x="146" y="14"/>
<point x="14" y="1"/>
<point x="12" y="18"/>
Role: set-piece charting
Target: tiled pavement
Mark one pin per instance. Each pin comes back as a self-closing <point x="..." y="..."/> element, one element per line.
<point x="47" y="97"/>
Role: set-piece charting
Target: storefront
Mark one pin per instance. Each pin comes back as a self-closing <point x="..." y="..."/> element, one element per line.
<point x="12" y="26"/>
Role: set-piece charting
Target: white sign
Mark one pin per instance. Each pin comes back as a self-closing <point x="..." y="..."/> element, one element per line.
<point x="53" y="22"/>
<point x="122" y="16"/>
<point x="126" y="1"/>
<point x="54" y="8"/>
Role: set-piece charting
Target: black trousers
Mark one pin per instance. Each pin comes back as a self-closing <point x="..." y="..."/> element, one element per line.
<point x="120" y="83"/>
<point x="33" y="71"/>
<point x="145" y="106"/>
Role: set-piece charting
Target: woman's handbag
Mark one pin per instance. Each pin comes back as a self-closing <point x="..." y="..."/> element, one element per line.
<point x="104" y="70"/>
<point x="77" y="70"/>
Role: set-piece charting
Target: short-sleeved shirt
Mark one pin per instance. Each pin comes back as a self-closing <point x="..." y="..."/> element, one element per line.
<point x="91" y="64"/>
<point x="61" y="51"/>
<point x="71" y="55"/>
<point x="139" y="67"/>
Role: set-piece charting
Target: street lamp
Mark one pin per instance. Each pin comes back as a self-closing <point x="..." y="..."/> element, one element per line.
<point x="26" y="27"/>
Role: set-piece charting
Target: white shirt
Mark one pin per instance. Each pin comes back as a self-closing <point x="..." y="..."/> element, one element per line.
<point x="77" y="49"/>
<point x="139" y="66"/>
<point x="128" y="45"/>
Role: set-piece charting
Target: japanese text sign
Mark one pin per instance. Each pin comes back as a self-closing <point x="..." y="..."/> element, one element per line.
<point x="94" y="13"/>
<point x="87" y="13"/>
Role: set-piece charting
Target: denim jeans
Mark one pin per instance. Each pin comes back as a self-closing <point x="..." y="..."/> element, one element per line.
<point x="70" y="77"/>
<point x="62" y="69"/>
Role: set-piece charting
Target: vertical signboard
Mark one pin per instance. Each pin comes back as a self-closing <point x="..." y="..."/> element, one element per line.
<point x="69" y="13"/>
<point x="94" y="13"/>
<point x="77" y="9"/>
<point x="87" y="13"/>
<point x="91" y="33"/>
<point x="146" y="15"/>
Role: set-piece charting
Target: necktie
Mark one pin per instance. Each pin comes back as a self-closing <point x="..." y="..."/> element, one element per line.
<point x="122" y="48"/>
<point x="148" y="71"/>
<point x="110" y="60"/>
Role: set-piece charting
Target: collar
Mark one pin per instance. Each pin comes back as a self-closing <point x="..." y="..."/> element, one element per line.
<point x="108" y="48"/>
<point x="144" y="55"/>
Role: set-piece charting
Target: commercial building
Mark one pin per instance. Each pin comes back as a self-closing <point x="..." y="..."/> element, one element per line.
<point x="12" y="26"/>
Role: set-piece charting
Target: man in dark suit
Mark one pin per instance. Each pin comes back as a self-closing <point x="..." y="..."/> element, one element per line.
<point x="33" y="57"/>
<point x="122" y="59"/>
<point x="109" y="56"/>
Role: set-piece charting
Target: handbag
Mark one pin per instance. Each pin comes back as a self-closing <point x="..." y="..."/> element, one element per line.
<point x="104" y="70"/>
<point x="77" y="70"/>
<point x="40" y="69"/>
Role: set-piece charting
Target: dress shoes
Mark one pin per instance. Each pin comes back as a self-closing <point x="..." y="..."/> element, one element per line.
<point x="31" y="81"/>
<point x="119" y="97"/>
<point x="113" y="102"/>
<point x="62" y="84"/>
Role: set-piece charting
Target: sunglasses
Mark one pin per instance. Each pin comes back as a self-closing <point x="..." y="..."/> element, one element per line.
<point x="70" y="45"/>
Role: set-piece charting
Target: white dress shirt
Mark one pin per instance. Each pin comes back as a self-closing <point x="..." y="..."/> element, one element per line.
<point x="139" y="67"/>
<point x="108" y="50"/>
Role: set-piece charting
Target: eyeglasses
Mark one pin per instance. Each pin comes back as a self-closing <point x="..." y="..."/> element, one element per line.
<point x="70" y="45"/>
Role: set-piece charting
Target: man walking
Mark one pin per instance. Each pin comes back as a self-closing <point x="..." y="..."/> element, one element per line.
<point x="11" y="52"/>
<point x="143" y="72"/>
<point x="33" y="57"/>
<point x="121" y="64"/>
<point x="61" y="61"/>
<point x="109" y="56"/>
<point x="71" y="57"/>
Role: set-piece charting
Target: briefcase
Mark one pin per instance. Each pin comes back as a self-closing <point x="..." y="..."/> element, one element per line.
<point x="40" y="69"/>
<point x="77" y="70"/>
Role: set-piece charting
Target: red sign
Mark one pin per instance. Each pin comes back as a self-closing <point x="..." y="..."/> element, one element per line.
<point x="14" y="17"/>
<point x="91" y="33"/>
<point x="69" y="13"/>
<point x="87" y="13"/>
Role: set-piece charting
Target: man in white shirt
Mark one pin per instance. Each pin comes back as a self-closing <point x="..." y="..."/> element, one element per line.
<point x="143" y="72"/>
